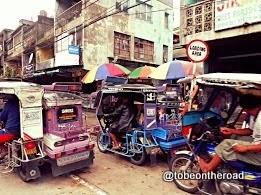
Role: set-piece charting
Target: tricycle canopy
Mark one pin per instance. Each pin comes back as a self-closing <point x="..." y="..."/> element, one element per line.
<point x="241" y="82"/>
<point x="29" y="94"/>
<point x="219" y="94"/>
<point x="30" y="100"/>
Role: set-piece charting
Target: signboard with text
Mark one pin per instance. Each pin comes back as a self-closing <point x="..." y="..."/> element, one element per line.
<point x="197" y="50"/>
<point x="234" y="13"/>
<point x="74" y="49"/>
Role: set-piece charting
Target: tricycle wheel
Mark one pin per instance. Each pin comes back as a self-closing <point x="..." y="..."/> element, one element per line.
<point x="139" y="158"/>
<point x="182" y="163"/>
<point x="28" y="173"/>
<point x="103" y="142"/>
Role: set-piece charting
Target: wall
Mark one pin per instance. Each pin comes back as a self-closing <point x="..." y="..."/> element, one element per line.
<point x="214" y="35"/>
<point x="99" y="38"/>
<point x="43" y="54"/>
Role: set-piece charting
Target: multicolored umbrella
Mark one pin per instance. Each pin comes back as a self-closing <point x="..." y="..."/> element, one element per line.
<point x="173" y="70"/>
<point x="103" y="71"/>
<point x="141" y="72"/>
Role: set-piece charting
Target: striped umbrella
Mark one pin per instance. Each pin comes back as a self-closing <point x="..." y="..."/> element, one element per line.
<point x="103" y="71"/>
<point x="141" y="72"/>
<point x="173" y="70"/>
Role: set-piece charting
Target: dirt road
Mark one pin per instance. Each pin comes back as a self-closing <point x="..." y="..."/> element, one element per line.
<point x="110" y="174"/>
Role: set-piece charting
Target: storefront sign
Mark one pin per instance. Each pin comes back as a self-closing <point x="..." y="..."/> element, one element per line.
<point x="233" y="13"/>
<point x="197" y="51"/>
<point x="74" y="49"/>
<point x="28" y="70"/>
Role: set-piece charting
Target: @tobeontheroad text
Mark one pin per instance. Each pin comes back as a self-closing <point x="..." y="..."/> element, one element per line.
<point x="170" y="176"/>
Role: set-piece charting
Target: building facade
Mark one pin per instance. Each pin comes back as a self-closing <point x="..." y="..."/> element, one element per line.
<point x="232" y="29"/>
<point x="133" y="37"/>
<point x="21" y="55"/>
<point x="4" y="35"/>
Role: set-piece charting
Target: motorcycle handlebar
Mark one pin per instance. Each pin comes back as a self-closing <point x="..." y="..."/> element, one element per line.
<point x="202" y="136"/>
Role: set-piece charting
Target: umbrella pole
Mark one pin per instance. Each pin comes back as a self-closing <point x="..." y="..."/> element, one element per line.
<point x="193" y="83"/>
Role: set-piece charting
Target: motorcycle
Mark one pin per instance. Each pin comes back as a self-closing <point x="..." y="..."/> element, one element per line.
<point x="218" y="107"/>
<point x="249" y="176"/>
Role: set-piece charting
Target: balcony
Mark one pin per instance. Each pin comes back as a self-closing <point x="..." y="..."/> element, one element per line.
<point x="69" y="15"/>
<point x="30" y="37"/>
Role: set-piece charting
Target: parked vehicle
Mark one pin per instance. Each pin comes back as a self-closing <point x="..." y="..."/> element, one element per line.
<point x="160" y="128"/>
<point x="51" y="130"/>
<point x="218" y="106"/>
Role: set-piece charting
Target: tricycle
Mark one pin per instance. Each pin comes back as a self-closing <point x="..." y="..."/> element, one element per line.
<point x="219" y="99"/>
<point x="141" y="118"/>
<point x="51" y="130"/>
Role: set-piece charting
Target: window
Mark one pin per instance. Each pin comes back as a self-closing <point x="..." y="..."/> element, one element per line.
<point x="67" y="114"/>
<point x="143" y="49"/>
<point x="74" y="38"/>
<point x="201" y="98"/>
<point x="166" y="20"/>
<point x="122" y="6"/>
<point x="144" y="11"/>
<point x="222" y="102"/>
<point x="192" y="2"/>
<point x="121" y="45"/>
<point x="17" y="38"/>
<point x="9" y="44"/>
<point x="165" y="53"/>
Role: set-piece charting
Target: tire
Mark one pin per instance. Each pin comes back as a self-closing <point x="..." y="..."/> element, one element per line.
<point x="139" y="158"/>
<point x="24" y="175"/>
<point x="101" y="146"/>
<point x="173" y="166"/>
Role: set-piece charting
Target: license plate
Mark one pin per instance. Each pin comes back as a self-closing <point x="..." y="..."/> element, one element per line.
<point x="72" y="158"/>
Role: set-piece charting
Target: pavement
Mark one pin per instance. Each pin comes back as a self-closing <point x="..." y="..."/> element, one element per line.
<point x="109" y="175"/>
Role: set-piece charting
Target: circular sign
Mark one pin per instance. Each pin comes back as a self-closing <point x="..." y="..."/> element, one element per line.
<point x="197" y="50"/>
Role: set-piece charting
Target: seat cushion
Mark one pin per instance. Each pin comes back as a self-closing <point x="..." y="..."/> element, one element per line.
<point x="174" y="143"/>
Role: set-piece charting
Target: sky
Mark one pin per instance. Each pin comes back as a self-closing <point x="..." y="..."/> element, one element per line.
<point x="11" y="11"/>
<point x="176" y="7"/>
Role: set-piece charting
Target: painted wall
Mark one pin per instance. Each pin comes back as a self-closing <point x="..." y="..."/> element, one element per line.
<point x="248" y="28"/>
<point x="98" y="42"/>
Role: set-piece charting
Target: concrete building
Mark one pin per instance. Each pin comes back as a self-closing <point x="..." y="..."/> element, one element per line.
<point x="14" y="50"/>
<point x="22" y="54"/>
<point x="134" y="37"/>
<point x="232" y="29"/>
<point x="4" y="35"/>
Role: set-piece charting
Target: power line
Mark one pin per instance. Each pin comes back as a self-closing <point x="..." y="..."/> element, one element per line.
<point x="105" y="16"/>
<point x="94" y="21"/>
<point x="107" y="10"/>
<point x="160" y="10"/>
<point x="75" y="27"/>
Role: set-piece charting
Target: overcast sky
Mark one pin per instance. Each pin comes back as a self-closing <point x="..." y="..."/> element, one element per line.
<point x="11" y="11"/>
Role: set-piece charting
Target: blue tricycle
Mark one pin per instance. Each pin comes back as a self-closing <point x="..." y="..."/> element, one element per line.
<point x="154" y="121"/>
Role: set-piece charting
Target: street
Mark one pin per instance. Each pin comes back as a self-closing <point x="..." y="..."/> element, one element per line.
<point x="110" y="174"/>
